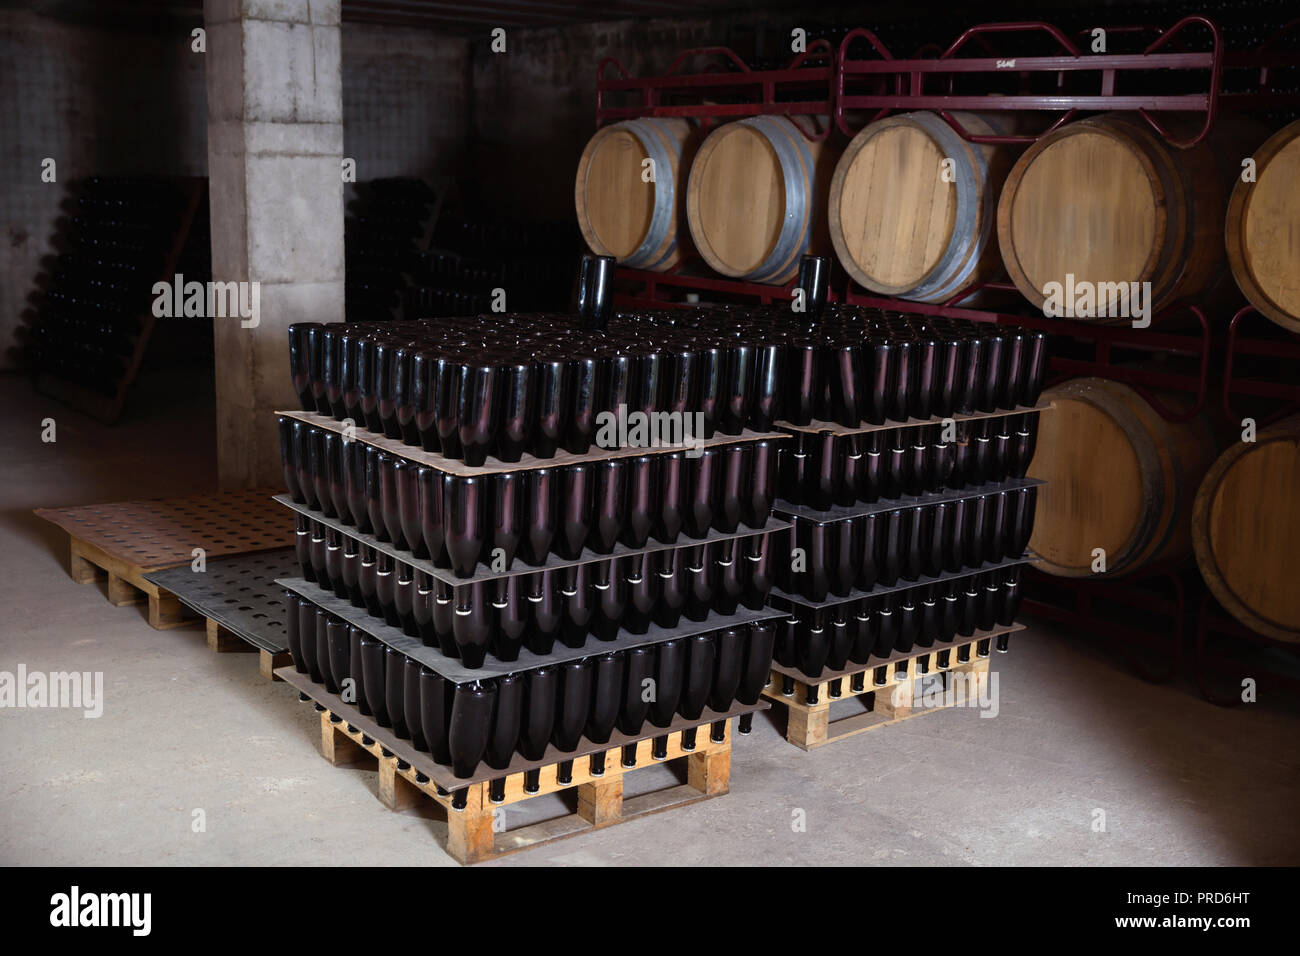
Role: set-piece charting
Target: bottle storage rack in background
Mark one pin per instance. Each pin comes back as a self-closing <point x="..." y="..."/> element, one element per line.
<point x="1224" y="362"/>
<point x="94" y="320"/>
<point x="409" y="253"/>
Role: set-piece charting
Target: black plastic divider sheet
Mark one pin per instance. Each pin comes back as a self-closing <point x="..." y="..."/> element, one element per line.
<point x="454" y="671"/>
<point x="237" y="592"/>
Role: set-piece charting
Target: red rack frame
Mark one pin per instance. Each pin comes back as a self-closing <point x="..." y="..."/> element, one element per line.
<point x="909" y="78"/>
<point x="884" y="84"/>
<point x="801" y="75"/>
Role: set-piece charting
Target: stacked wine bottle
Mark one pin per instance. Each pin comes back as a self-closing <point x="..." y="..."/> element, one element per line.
<point x="469" y="260"/>
<point x="851" y="484"/>
<point x="905" y="483"/>
<point x="506" y="386"/>
<point x="505" y="583"/>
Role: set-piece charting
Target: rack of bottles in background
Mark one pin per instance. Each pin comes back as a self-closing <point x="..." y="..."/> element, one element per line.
<point x="91" y="320"/>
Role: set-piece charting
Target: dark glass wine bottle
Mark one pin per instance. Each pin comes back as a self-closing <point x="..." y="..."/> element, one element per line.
<point x="471" y="725"/>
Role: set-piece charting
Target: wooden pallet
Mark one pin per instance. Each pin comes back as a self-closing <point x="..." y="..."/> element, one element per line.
<point x="237" y="599"/>
<point x="475" y="830"/>
<point x="808" y="703"/>
<point x="126" y="583"/>
<point x="128" y="539"/>
<point x="221" y="640"/>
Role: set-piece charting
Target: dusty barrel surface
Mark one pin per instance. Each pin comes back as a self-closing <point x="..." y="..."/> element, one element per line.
<point x="1119" y="477"/>
<point x="1263" y="230"/>
<point x="756" y="197"/>
<point x="912" y="205"/>
<point x="1246" y="530"/>
<point x="621" y="211"/>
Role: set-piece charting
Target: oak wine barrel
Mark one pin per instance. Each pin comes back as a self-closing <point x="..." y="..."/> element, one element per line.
<point x="1263" y="230"/>
<point x="1246" y="530"/>
<point x="904" y="225"/>
<point x="1106" y="200"/>
<point x="1119" y="477"/>
<point x="756" y="196"/>
<point x="620" y="213"/>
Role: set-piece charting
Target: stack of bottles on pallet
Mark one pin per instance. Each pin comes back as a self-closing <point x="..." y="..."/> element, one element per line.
<point x="870" y="629"/>
<point x="449" y="521"/>
<point x="525" y="600"/>
<point x="909" y="526"/>
<point x="111" y="247"/>
<point x="462" y="521"/>
<point x="501" y="615"/>
<point x="509" y="385"/>
<point x="825" y="469"/>
<point x="529" y="712"/>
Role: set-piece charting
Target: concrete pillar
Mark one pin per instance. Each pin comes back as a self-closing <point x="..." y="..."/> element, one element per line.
<point x="275" y="147"/>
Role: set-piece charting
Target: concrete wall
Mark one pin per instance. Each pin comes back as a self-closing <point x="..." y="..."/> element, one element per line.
<point x="131" y="100"/>
<point x="535" y="104"/>
<point x="405" y="101"/>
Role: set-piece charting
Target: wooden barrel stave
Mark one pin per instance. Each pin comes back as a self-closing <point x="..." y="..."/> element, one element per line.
<point x="898" y="226"/>
<point x="1119" y="477"/>
<point x="1109" y="201"/>
<point x="754" y="195"/>
<point x="1246" y="530"/>
<point x="1262" y="232"/>
<point x="619" y="213"/>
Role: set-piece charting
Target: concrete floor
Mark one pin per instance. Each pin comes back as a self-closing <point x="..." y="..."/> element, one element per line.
<point x="1180" y="781"/>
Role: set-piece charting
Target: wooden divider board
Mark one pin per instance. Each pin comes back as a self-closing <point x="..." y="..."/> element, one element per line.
<point x="126" y="539"/>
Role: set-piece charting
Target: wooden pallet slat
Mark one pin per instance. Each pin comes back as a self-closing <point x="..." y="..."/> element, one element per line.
<point x="474" y="830"/>
<point x="808" y="702"/>
<point x="126" y="583"/>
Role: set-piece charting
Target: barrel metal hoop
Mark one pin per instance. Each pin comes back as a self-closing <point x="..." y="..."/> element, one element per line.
<point x="939" y="281"/>
<point x="794" y="155"/>
<point x="665" y="198"/>
<point x="1152" y="478"/>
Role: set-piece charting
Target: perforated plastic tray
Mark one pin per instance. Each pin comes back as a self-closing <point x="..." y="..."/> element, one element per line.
<point x="238" y="592"/>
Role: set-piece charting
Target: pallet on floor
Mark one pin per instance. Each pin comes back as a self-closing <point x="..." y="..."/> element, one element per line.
<point x="128" y="539"/>
<point x="474" y="805"/>
<point x="237" y="598"/>
<point x="888" y="686"/>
